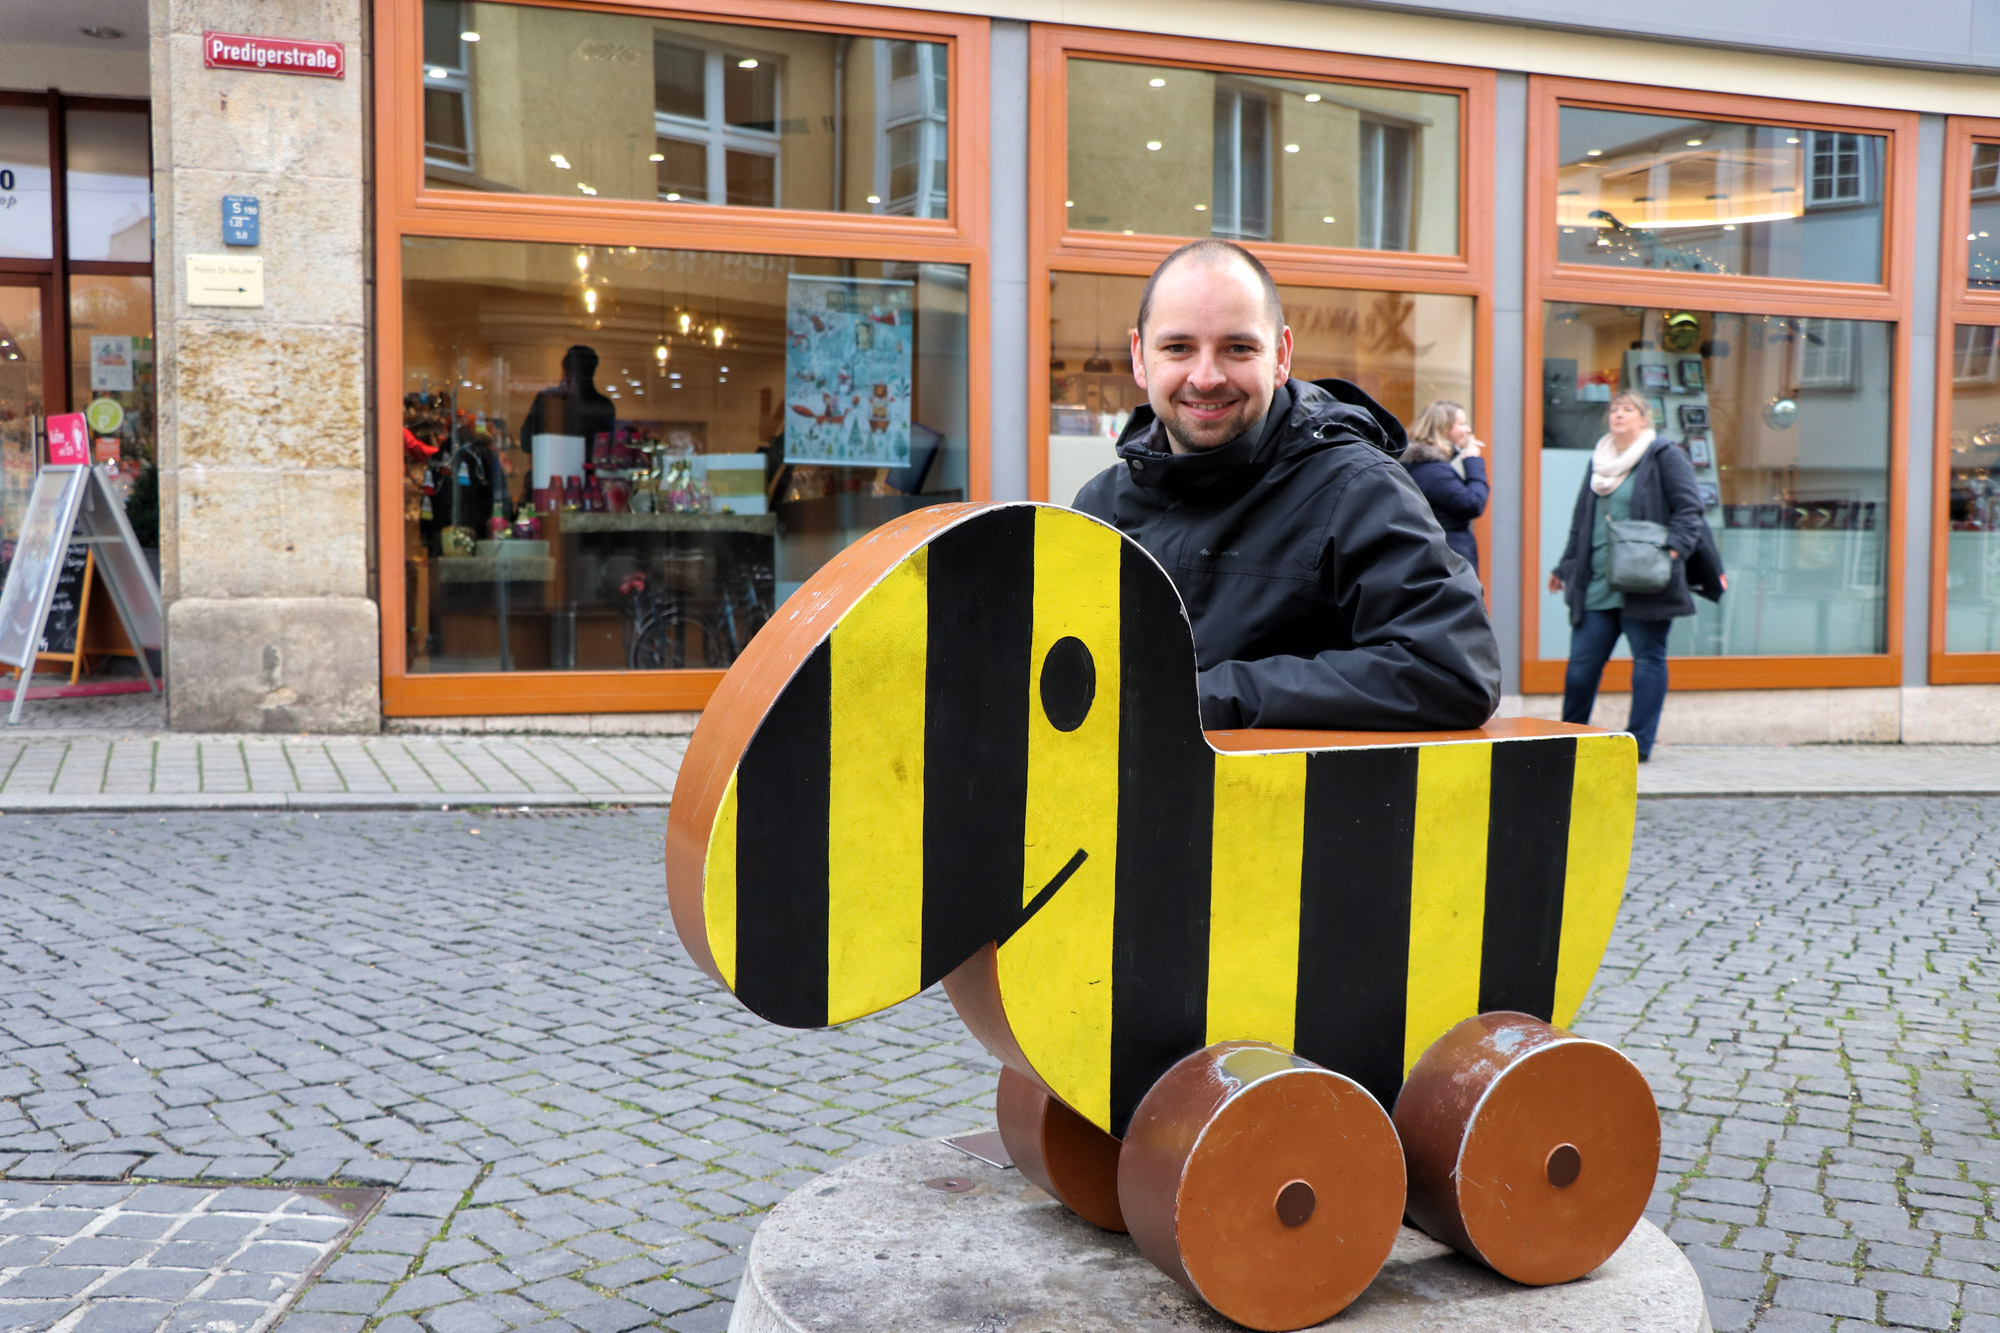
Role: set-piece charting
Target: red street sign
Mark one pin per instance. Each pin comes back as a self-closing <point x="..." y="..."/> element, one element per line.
<point x="69" y="440"/>
<point x="273" y="55"/>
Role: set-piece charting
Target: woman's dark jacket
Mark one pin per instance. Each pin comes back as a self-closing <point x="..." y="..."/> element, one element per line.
<point x="1319" y="586"/>
<point x="1663" y="491"/>
<point x="1454" y="499"/>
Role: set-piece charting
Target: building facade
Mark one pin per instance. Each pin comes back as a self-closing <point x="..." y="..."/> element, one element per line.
<point x="589" y="331"/>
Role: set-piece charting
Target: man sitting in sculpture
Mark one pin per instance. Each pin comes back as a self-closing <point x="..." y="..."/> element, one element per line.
<point x="1319" y="584"/>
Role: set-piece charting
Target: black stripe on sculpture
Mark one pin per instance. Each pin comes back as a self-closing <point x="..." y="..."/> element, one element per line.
<point x="1166" y="810"/>
<point x="781" y="852"/>
<point x="1354" y="913"/>
<point x="977" y="686"/>
<point x="1527" y="858"/>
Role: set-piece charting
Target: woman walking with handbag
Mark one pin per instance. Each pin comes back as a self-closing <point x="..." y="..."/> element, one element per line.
<point x="1637" y="518"/>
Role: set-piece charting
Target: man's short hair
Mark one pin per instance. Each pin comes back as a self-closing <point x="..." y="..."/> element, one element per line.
<point x="1215" y="253"/>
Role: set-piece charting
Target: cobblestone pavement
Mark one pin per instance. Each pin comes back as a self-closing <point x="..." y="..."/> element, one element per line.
<point x="489" y="1011"/>
<point x="132" y="1258"/>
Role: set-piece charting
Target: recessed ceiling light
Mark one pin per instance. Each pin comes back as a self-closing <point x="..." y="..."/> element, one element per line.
<point x="1291" y="148"/>
<point x="1312" y="97"/>
<point x="559" y="160"/>
<point x="438" y="71"/>
<point x="1793" y="139"/>
<point x="874" y="198"/>
<point x="1156" y="83"/>
<point x="468" y="37"/>
<point x="656" y="157"/>
<point x="1694" y="143"/>
<point x="746" y="63"/>
<point x="1201" y="208"/>
<point x="1593" y="152"/>
<point x="1152" y="145"/>
<point x="103" y="32"/>
<point x="1069" y="203"/>
<point x="587" y="189"/>
<point x="673" y="198"/>
<point x="1327" y="218"/>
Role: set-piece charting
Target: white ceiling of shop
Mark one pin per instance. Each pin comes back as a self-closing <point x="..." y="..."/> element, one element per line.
<point x="61" y="23"/>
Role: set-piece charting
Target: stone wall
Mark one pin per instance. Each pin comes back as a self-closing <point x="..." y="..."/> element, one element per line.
<point x="263" y="412"/>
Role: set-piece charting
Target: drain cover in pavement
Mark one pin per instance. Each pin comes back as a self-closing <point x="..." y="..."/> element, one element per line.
<point x="163" y="1258"/>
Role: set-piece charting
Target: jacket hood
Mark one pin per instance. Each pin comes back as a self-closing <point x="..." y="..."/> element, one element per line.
<point x="1419" y="452"/>
<point x="1324" y="414"/>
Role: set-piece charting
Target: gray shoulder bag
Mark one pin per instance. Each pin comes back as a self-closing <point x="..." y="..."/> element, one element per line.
<point x="1636" y="560"/>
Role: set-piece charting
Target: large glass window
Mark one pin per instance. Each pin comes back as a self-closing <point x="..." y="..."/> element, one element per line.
<point x="1167" y="151"/>
<point x="1787" y="424"/>
<point x="22" y="403"/>
<point x="578" y="104"/>
<point x="674" y="439"/>
<point x="1404" y="349"/>
<point x="1982" y="235"/>
<point x="1696" y="195"/>
<point x="108" y="176"/>
<point x="27" y="219"/>
<point x="111" y="369"/>
<point x="1972" y="565"/>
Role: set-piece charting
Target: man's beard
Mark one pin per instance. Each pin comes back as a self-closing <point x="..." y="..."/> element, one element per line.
<point x="1214" y="434"/>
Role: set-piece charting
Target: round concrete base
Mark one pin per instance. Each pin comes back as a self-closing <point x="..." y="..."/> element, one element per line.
<point x="872" y="1247"/>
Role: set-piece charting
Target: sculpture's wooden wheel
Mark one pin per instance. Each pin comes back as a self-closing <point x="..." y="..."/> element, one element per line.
<point x="1530" y="1149"/>
<point x="1059" y="1150"/>
<point x="1269" y="1187"/>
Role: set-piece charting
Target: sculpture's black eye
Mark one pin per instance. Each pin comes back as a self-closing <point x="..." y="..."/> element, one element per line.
<point x="1069" y="684"/>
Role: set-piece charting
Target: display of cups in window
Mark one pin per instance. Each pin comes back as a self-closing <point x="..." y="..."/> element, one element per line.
<point x="636" y="480"/>
<point x="1785" y="421"/>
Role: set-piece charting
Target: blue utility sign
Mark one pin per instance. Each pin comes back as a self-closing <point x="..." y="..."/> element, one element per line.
<point x="239" y="219"/>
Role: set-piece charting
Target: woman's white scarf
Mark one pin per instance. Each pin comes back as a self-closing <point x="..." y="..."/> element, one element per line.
<point x="1609" y="467"/>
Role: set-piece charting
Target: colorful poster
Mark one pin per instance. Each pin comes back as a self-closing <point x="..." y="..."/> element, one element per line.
<point x="847" y="370"/>
<point x="110" y="365"/>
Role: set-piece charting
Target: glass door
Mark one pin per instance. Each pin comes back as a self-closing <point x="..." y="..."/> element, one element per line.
<point x="23" y="397"/>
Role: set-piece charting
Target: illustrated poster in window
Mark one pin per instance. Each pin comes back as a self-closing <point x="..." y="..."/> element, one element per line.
<point x="847" y="370"/>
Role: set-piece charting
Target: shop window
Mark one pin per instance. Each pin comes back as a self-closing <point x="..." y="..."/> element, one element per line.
<point x="111" y="359"/>
<point x="22" y="400"/>
<point x="1982" y="269"/>
<point x="27" y="225"/>
<point x="677" y="439"/>
<point x="108" y="179"/>
<point x="1972" y="560"/>
<point x="1168" y="151"/>
<point x="1695" y="195"/>
<point x="447" y="88"/>
<point x="1795" y="484"/>
<point x="1404" y="349"/>
<point x="579" y="104"/>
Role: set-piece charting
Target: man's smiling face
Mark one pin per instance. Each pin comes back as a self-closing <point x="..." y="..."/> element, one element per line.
<point x="1211" y="355"/>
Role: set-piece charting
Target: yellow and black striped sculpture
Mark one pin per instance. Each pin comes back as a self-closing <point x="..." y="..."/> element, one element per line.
<point x="970" y="749"/>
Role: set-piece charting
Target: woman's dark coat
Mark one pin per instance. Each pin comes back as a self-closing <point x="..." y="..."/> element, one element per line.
<point x="1454" y="499"/>
<point x="1663" y="491"/>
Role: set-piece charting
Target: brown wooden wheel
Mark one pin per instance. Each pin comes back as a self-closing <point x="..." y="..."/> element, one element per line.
<point x="1267" y="1186"/>
<point x="1059" y="1150"/>
<point x="1530" y="1149"/>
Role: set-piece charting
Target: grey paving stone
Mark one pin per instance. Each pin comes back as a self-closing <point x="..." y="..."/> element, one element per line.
<point x="124" y="1317"/>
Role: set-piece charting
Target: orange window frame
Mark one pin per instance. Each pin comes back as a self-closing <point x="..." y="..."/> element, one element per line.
<point x="406" y="206"/>
<point x="1053" y="246"/>
<point x="1888" y="300"/>
<point x="1957" y="304"/>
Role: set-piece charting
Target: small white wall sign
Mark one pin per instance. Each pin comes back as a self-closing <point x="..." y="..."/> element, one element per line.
<point x="236" y="280"/>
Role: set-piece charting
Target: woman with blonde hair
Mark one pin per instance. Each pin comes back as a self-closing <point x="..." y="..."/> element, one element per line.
<point x="1637" y="521"/>
<point x="1445" y="460"/>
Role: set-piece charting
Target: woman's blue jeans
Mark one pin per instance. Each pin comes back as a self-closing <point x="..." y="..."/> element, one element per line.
<point x="1590" y="646"/>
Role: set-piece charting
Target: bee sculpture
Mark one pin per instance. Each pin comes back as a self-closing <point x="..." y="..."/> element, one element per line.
<point x="969" y="750"/>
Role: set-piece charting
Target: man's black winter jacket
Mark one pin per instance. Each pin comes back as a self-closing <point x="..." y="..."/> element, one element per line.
<point x="1320" y="587"/>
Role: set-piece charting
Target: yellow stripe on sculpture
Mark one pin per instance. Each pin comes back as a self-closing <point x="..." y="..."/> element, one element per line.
<point x="1447" y="891"/>
<point x="875" y="883"/>
<point x="1258" y="850"/>
<point x="1604" y="805"/>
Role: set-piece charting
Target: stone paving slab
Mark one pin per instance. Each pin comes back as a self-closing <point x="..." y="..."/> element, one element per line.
<point x="1821" y="770"/>
<point x="489" y="1011"/>
<point x="133" y="1258"/>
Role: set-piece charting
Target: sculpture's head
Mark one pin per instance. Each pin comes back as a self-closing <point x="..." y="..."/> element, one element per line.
<point x="922" y="752"/>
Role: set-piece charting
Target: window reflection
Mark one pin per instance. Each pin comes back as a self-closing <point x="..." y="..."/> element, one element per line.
<point x="1982" y="235"/>
<point x="1705" y="196"/>
<point x="1972" y="566"/>
<point x="1786" y="421"/>
<point x="1167" y="151"/>
<point x="27" y="224"/>
<point x="562" y="102"/>
<point x="1404" y="349"/>
<point x="108" y="173"/>
<point x="627" y="459"/>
